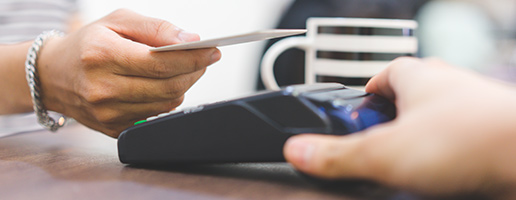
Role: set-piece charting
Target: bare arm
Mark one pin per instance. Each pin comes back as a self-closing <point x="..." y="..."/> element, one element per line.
<point x="13" y="85"/>
<point x="12" y="72"/>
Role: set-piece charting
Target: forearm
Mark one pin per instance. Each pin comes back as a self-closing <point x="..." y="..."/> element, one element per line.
<point x="14" y="91"/>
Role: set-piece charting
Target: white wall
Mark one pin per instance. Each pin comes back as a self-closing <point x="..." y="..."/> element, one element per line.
<point x="236" y="73"/>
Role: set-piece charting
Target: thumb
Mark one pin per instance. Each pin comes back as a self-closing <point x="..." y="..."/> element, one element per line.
<point x="146" y="30"/>
<point x="359" y="155"/>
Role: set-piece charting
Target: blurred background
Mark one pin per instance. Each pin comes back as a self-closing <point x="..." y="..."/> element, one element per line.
<point x="475" y="34"/>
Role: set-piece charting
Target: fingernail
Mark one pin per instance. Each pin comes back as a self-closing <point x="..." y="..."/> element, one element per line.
<point x="299" y="151"/>
<point x="187" y="36"/>
<point x="215" y="56"/>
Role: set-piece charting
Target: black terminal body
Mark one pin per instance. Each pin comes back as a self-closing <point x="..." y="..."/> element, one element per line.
<point x="251" y="129"/>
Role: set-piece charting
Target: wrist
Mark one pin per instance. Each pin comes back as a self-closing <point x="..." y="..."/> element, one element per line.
<point x="51" y="75"/>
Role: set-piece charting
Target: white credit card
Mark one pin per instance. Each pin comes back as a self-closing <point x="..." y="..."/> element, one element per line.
<point x="229" y="40"/>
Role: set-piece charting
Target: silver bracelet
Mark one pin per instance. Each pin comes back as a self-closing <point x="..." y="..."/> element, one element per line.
<point x="33" y="79"/>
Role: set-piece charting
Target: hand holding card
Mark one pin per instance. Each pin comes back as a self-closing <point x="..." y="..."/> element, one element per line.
<point x="230" y="40"/>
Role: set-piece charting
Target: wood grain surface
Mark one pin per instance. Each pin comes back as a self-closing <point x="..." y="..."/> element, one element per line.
<point x="78" y="163"/>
